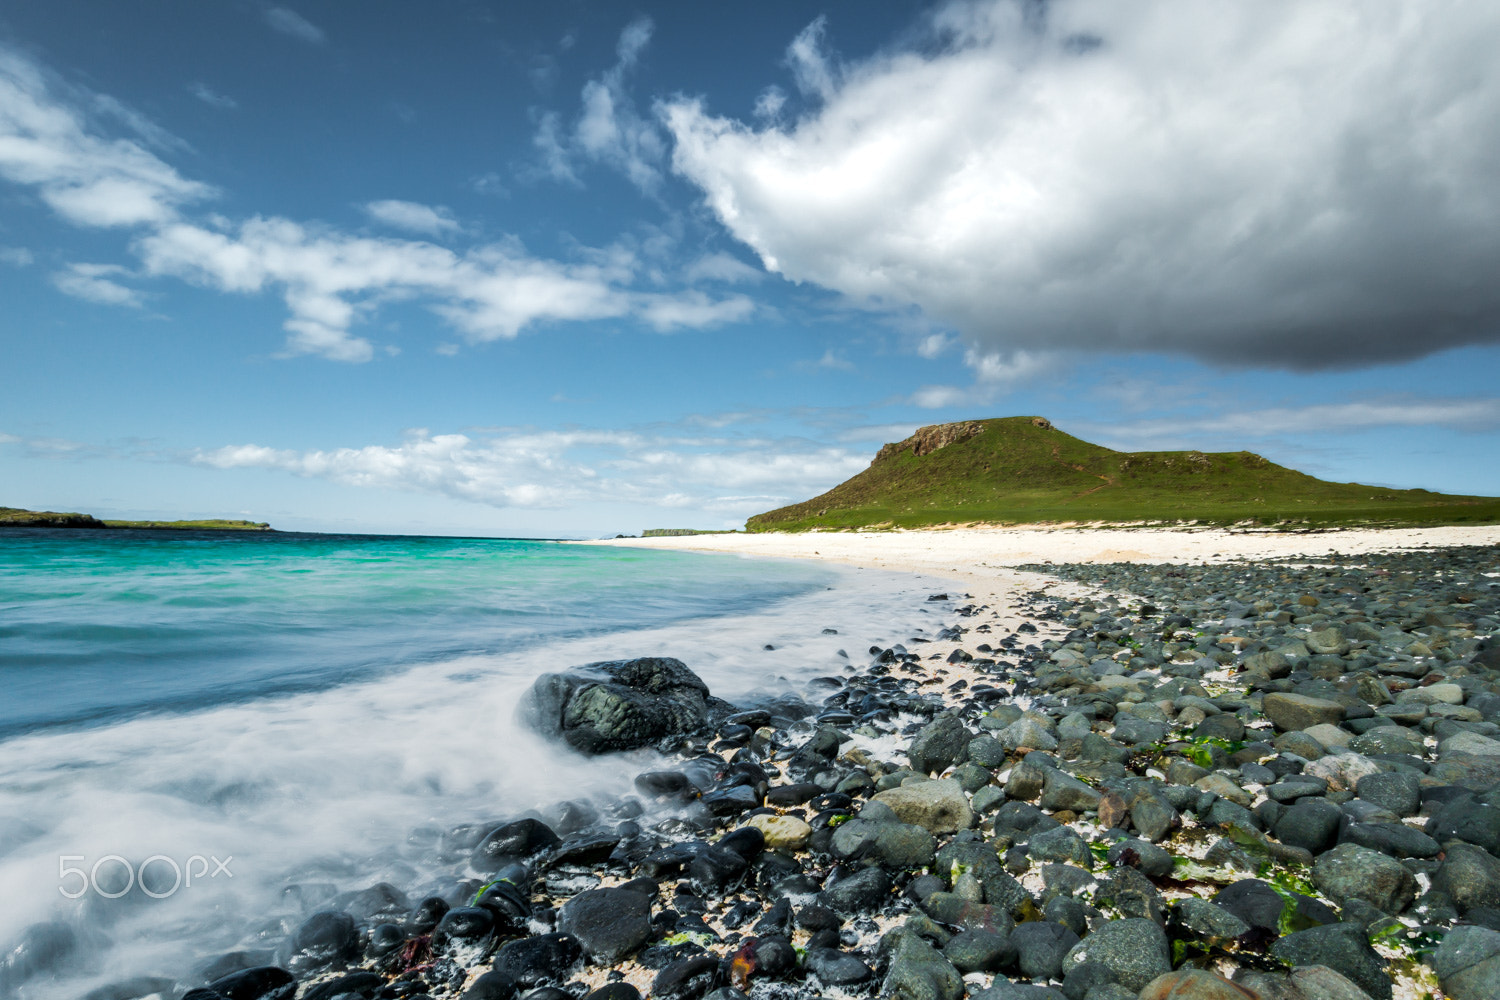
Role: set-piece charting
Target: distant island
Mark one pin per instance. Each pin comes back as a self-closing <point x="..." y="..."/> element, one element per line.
<point x="15" y="517"/>
<point x="1023" y="470"/>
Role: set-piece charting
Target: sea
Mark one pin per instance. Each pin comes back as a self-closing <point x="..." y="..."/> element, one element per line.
<point x="200" y="732"/>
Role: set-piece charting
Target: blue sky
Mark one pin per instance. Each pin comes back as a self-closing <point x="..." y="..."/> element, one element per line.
<point x="578" y="268"/>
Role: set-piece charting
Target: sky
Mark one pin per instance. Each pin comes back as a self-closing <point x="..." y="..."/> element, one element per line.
<point x="578" y="269"/>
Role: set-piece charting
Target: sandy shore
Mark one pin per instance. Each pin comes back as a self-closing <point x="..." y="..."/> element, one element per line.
<point x="981" y="559"/>
<point x="973" y="551"/>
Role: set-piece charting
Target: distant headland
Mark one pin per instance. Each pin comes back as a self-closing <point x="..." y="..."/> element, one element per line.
<point x="15" y="517"/>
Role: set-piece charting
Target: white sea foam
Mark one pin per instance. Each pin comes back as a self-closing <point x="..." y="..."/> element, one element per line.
<point x="328" y="787"/>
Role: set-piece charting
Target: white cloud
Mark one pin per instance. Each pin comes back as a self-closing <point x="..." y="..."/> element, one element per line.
<point x="830" y="360"/>
<point x="212" y="98"/>
<point x="50" y="144"/>
<point x="294" y="25"/>
<point x="770" y="102"/>
<point x="722" y="267"/>
<point x="933" y="345"/>
<point x="995" y="374"/>
<point x="92" y="282"/>
<point x="1322" y="418"/>
<point x="16" y="256"/>
<point x="431" y="220"/>
<point x="811" y="68"/>
<point x="1305" y="185"/>
<point x="609" y="129"/>
<point x="331" y="280"/>
<point x="560" y="468"/>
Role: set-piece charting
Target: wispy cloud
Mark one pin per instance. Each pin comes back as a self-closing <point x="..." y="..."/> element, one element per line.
<point x="546" y="469"/>
<point x="294" y="25"/>
<point x="212" y="98"/>
<point x="16" y="256"/>
<point x="608" y="128"/>
<point x="1473" y="414"/>
<point x="49" y="144"/>
<point x="331" y="280"/>
<point x="94" y="283"/>
<point x="433" y="220"/>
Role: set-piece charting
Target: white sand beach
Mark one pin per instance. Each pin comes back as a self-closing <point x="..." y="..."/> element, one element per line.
<point x="969" y="552"/>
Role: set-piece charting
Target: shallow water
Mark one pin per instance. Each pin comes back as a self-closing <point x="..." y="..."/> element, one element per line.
<point x="316" y="707"/>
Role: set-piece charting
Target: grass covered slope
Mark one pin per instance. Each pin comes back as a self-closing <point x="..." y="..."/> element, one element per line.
<point x="15" y="517"/>
<point x="1016" y="470"/>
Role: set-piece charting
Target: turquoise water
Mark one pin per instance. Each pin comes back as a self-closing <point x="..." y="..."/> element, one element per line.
<point x="97" y="626"/>
<point x="316" y="706"/>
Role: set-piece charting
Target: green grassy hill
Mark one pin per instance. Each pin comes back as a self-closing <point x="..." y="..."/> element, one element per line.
<point x="15" y="517"/>
<point x="1017" y="470"/>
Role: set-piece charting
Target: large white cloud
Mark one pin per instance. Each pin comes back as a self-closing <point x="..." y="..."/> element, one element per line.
<point x="1284" y="184"/>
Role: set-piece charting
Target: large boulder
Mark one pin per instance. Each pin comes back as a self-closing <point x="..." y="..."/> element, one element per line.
<point x="618" y="704"/>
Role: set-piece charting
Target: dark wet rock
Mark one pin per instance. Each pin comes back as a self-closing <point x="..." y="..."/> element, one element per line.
<point x="384" y="939"/>
<point x="986" y="751"/>
<point x="1210" y="920"/>
<point x="464" y="933"/>
<point x="269" y="982"/>
<point x="1341" y="947"/>
<point x="1153" y="817"/>
<point x="938" y="744"/>
<point x="894" y="845"/>
<point x="1464" y="818"/>
<point x="326" y="938"/>
<point x="979" y="951"/>
<point x="715" y="870"/>
<point x="1089" y="979"/>
<point x="609" y="924"/>
<point x="1061" y="845"/>
<point x="491" y="986"/>
<point x="362" y="984"/>
<point x="1467" y="963"/>
<point x="1349" y="872"/>
<point x="864" y="891"/>
<point x="426" y="915"/>
<point x="1259" y="905"/>
<point x="1400" y="793"/>
<point x="1311" y="824"/>
<point x="1150" y="860"/>
<point x="919" y="972"/>
<point x="1134" y="949"/>
<point x="1396" y="839"/>
<point x="614" y="991"/>
<point x="618" y="704"/>
<point x="1063" y="791"/>
<point x="535" y="961"/>
<point x="1040" y="946"/>
<point x="774" y="956"/>
<point x="380" y="900"/>
<point x="687" y="979"/>
<point x="964" y="913"/>
<point x="837" y="968"/>
<point x="792" y="795"/>
<point x="513" y="843"/>
<point x="1470" y="877"/>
